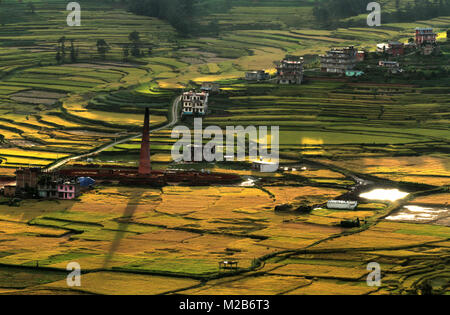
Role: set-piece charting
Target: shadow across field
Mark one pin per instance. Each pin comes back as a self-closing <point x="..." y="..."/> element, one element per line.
<point x="124" y="222"/>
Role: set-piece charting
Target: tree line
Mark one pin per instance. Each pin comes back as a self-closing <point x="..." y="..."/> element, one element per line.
<point x="135" y="48"/>
<point x="181" y="14"/>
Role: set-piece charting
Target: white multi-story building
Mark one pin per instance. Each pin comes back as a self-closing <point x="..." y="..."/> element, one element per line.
<point x="290" y="70"/>
<point x="339" y="60"/>
<point x="195" y="103"/>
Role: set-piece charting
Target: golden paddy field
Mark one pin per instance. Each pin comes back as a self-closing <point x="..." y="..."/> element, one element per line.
<point x="141" y="241"/>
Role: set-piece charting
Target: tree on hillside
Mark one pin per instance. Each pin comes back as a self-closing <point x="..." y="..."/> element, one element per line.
<point x="135" y="39"/>
<point x="102" y="48"/>
<point x="73" y="52"/>
<point x="214" y="27"/>
<point x="126" y="52"/>
<point x="62" y="47"/>
<point x="58" y="55"/>
<point x="179" y="13"/>
<point x="32" y="7"/>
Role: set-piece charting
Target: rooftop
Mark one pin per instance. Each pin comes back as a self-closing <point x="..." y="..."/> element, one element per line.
<point x="195" y="93"/>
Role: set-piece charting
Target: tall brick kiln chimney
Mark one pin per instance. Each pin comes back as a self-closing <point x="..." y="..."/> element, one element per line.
<point x="144" y="160"/>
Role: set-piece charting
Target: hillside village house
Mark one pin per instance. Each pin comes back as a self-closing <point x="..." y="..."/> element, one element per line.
<point x="48" y="189"/>
<point x="195" y="103"/>
<point x="210" y="87"/>
<point x="339" y="60"/>
<point x="290" y="70"/>
<point x="425" y="35"/>
<point x="68" y="190"/>
<point x="392" y="48"/>
<point x="426" y="41"/>
<point x="392" y="66"/>
<point x="360" y="55"/>
<point x="33" y="182"/>
<point x="257" y="75"/>
<point x="428" y="49"/>
<point x="396" y="49"/>
<point x="383" y="47"/>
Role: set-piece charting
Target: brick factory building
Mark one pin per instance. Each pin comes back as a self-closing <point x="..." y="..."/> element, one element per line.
<point x="27" y="178"/>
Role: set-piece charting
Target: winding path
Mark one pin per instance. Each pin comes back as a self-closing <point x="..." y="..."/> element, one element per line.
<point x="174" y="121"/>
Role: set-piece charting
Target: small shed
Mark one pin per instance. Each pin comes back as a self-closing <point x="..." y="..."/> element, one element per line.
<point x="86" y="182"/>
<point x="265" y="167"/>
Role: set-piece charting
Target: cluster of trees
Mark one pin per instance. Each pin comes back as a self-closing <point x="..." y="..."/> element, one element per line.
<point x="61" y="50"/>
<point x="181" y="14"/>
<point x="12" y="12"/>
<point x="418" y="10"/>
<point x="135" y="48"/>
<point x="329" y="12"/>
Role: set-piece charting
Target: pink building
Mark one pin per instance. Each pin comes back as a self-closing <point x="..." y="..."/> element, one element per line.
<point x="68" y="190"/>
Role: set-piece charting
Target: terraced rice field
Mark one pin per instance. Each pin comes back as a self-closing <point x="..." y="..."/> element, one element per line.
<point x="153" y="232"/>
<point x="42" y="103"/>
